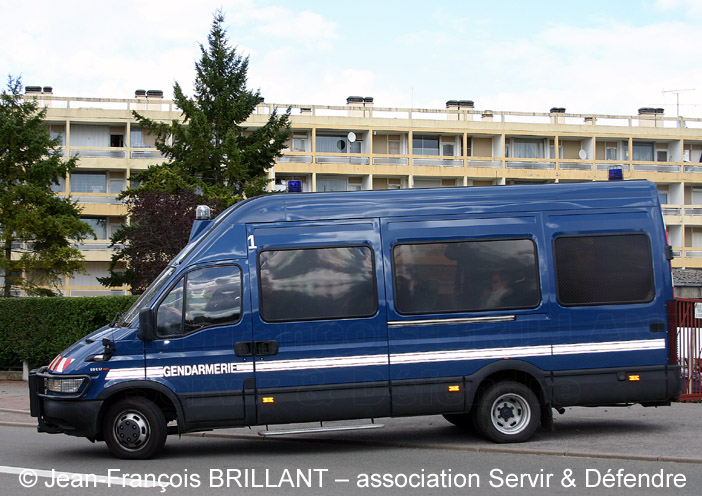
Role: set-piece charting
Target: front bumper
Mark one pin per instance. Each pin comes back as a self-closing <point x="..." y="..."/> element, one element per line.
<point x="68" y="414"/>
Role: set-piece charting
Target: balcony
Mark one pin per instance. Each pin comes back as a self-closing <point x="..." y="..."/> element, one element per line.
<point x="529" y="163"/>
<point x="438" y="162"/>
<point x="98" y="152"/>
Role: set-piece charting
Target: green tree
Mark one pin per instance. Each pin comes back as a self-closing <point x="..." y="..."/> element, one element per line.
<point x="211" y="144"/>
<point x="38" y="230"/>
<point x="211" y="153"/>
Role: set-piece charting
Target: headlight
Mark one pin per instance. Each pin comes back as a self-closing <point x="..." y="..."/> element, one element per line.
<point x="64" y="385"/>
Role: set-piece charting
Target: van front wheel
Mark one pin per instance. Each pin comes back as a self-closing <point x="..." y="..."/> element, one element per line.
<point x="507" y="412"/>
<point x="134" y="428"/>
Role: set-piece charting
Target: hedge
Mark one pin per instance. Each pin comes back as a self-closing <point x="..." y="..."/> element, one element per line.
<point x="35" y="330"/>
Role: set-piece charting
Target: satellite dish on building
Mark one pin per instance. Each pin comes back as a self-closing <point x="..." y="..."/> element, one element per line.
<point x="351" y="137"/>
<point x="582" y="154"/>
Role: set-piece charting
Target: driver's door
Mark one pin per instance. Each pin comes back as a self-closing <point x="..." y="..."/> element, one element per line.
<point x="197" y="323"/>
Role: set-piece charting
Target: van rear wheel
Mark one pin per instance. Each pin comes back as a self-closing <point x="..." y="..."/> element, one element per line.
<point x="134" y="428"/>
<point x="507" y="412"/>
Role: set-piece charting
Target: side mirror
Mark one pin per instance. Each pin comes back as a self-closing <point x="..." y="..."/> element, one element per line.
<point x="147" y="328"/>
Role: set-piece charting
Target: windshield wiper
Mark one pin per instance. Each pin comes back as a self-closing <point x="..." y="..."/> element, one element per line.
<point x="116" y="319"/>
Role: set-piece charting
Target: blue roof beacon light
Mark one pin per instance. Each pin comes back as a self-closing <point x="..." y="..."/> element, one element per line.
<point x="294" y="186"/>
<point x="616" y="175"/>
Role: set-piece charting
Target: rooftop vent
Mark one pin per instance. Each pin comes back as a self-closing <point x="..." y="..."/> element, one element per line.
<point x="650" y="111"/>
<point x="32" y="89"/>
<point x="557" y="110"/>
<point x="352" y="100"/>
<point x="154" y="94"/>
<point x="48" y="90"/>
<point x="140" y="94"/>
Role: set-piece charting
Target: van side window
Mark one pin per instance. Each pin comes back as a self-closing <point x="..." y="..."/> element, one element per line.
<point x="317" y="283"/>
<point x="212" y="297"/>
<point x="465" y="276"/>
<point x="169" y="317"/>
<point x="604" y="269"/>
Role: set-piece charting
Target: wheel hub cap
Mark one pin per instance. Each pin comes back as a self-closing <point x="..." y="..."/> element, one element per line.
<point x="131" y="430"/>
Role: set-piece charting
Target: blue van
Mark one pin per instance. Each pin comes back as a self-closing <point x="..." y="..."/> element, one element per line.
<point x="491" y="306"/>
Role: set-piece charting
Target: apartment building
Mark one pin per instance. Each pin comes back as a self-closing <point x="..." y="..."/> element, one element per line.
<point x="361" y="146"/>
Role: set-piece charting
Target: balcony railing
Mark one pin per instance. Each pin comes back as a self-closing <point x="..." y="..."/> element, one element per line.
<point x="524" y="164"/>
<point x="437" y="162"/>
<point x="388" y="113"/>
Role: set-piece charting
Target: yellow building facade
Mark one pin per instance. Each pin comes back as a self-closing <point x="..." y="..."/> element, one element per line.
<point x="362" y="146"/>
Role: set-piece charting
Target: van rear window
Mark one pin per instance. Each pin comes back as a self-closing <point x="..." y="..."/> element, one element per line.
<point x="604" y="269"/>
<point x="317" y="283"/>
<point x="465" y="276"/>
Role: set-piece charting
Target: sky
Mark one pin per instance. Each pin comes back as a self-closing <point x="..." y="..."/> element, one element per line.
<point x="594" y="56"/>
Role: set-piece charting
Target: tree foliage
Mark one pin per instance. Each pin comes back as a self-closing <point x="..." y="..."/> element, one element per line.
<point x="38" y="230"/>
<point x="210" y="144"/>
<point x="160" y="228"/>
<point x="212" y="157"/>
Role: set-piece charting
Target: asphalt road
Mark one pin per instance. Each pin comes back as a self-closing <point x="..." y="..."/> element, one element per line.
<point x="406" y="453"/>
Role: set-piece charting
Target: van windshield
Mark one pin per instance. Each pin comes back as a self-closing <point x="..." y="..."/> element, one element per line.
<point x="133" y="312"/>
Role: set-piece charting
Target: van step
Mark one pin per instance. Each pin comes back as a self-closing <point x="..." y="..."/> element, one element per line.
<point x="321" y="428"/>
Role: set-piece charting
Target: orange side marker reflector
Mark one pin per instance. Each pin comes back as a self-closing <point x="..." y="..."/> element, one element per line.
<point x="634" y="378"/>
<point x="454" y="388"/>
<point x="268" y="399"/>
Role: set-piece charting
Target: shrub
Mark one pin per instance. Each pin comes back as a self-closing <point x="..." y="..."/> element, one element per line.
<point x="35" y="330"/>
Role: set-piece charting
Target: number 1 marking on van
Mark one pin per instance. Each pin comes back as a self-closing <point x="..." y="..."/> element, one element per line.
<point x="252" y="243"/>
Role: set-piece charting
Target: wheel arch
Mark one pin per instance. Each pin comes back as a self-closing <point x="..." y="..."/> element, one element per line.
<point x="161" y="395"/>
<point x="520" y="371"/>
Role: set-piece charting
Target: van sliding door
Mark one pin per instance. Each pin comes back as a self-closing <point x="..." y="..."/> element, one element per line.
<point x="464" y="293"/>
<point x="320" y="341"/>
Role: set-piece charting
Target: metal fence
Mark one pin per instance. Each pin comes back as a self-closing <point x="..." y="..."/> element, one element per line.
<point x="686" y="316"/>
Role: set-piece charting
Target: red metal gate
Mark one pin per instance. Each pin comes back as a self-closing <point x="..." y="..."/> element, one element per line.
<point x="689" y="345"/>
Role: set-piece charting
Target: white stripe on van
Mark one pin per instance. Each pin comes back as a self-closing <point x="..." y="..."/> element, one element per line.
<point x="421" y="357"/>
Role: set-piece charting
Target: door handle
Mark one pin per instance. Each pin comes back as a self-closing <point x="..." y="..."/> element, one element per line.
<point x="243" y="348"/>
<point x="266" y="348"/>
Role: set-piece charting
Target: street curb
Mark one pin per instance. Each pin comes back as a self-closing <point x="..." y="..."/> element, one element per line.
<point x="472" y="449"/>
<point x="8" y="410"/>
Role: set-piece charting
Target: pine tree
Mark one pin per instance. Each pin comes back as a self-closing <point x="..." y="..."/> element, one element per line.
<point x="38" y="229"/>
<point x="212" y="157"/>
<point x="210" y="143"/>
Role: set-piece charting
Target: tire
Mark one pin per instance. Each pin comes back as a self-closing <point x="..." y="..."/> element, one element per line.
<point x="134" y="428"/>
<point x="462" y="420"/>
<point x="507" y="412"/>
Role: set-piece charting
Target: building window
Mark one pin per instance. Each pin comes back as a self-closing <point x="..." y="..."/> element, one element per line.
<point x="610" y="153"/>
<point x="98" y="225"/>
<point x="465" y="276"/>
<point x="425" y="145"/>
<point x="136" y="137"/>
<point x="299" y="142"/>
<point x="60" y="187"/>
<point x="394" y="145"/>
<point x="116" y="140"/>
<point x="338" y="144"/>
<point x="661" y="155"/>
<point x="58" y="132"/>
<point x="603" y="270"/>
<point x="522" y="148"/>
<point x="643" y="151"/>
<point x="82" y="182"/>
<point x="317" y="283"/>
